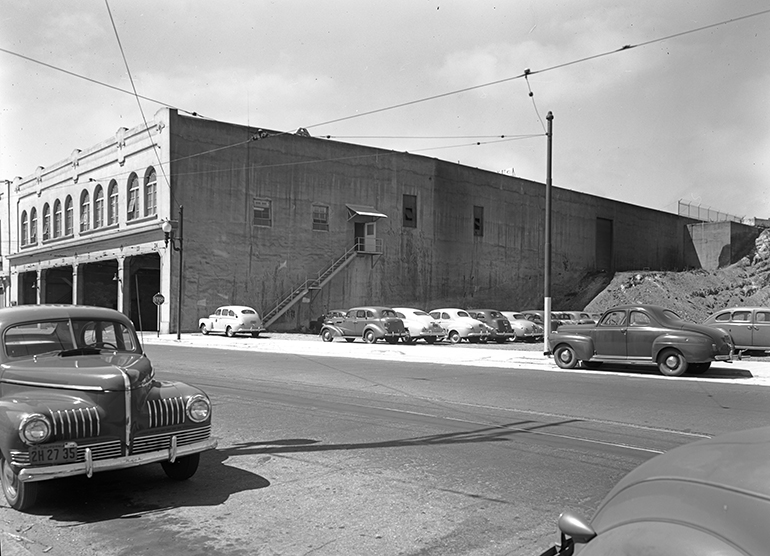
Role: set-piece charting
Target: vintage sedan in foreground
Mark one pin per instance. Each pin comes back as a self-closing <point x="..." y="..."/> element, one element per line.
<point x="749" y="327"/>
<point x="707" y="498"/>
<point x="461" y="326"/>
<point x="419" y="326"/>
<point x="368" y="323"/>
<point x="231" y="320"/>
<point x="524" y="330"/>
<point x="79" y="396"/>
<point x="641" y="334"/>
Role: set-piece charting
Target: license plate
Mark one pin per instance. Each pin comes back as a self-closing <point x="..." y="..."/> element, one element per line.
<point x="53" y="454"/>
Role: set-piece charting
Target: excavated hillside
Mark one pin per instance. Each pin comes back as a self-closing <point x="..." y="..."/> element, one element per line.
<point x="694" y="294"/>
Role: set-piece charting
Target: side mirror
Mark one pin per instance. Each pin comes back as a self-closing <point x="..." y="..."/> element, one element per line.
<point x="576" y="526"/>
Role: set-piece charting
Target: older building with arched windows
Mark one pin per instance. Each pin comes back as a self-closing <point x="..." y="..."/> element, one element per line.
<point x="208" y="213"/>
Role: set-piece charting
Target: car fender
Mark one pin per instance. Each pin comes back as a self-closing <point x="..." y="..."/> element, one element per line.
<point x="660" y="538"/>
<point x="334" y="329"/>
<point x="696" y="348"/>
<point x="583" y="345"/>
<point x="379" y="332"/>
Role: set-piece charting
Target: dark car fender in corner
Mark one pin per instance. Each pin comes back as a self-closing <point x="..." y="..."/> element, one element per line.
<point x="696" y="348"/>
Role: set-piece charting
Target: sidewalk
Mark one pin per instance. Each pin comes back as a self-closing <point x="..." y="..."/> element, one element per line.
<point x="514" y="356"/>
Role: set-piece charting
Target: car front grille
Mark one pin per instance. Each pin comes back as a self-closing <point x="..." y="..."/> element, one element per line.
<point x="166" y="412"/>
<point x="71" y="424"/>
<point x="154" y="442"/>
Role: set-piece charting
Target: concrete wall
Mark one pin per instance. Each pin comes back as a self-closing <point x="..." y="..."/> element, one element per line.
<point x="438" y="263"/>
<point x="719" y="244"/>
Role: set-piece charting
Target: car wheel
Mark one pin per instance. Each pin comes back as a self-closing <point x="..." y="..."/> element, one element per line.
<point x="408" y="339"/>
<point x="204" y="330"/>
<point x="183" y="468"/>
<point x="454" y="337"/>
<point x="671" y="362"/>
<point x="20" y="496"/>
<point x="565" y="357"/>
<point x="591" y="364"/>
<point x="369" y="337"/>
<point x="430" y="340"/>
<point x="229" y="332"/>
<point x="326" y="335"/>
<point x="699" y="368"/>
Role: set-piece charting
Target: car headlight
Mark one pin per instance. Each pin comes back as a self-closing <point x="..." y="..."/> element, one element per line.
<point x="34" y="429"/>
<point x="198" y="408"/>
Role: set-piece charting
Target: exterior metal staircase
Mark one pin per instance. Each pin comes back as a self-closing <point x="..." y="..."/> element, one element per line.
<point x="317" y="283"/>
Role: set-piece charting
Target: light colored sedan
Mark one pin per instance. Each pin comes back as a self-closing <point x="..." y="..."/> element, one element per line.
<point x="231" y="320"/>
<point x="420" y="325"/>
<point x="748" y="326"/>
<point x="524" y="329"/>
<point x="461" y="326"/>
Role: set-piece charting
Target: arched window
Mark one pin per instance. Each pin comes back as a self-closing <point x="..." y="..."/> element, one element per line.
<point x="132" y="212"/>
<point x="69" y="216"/>
<point x="24" y="228"/>
<point x="85" y="211"/>
<point x="150" y="193"/>
<point x="33" y="226"/>
<point x="112" y="208"/>
<point x="98" y="207"/>
<point x="57" y="218"/>
<point x="46" y="222"/>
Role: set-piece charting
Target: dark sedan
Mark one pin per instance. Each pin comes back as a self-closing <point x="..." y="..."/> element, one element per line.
<point x="368" y="323"/>
<point x="641" y="334"/>
<point x="501" y="327"/>
<point x="707" y="498"/>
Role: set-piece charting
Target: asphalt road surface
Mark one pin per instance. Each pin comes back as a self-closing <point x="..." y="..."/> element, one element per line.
<point x="324" y="455"/>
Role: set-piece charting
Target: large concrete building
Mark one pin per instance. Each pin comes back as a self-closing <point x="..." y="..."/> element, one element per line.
<point x="294" y="225"/>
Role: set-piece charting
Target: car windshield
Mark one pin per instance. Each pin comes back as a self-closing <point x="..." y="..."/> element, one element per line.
<point x="67" y="337"/>
<point x="388" y="313"/>
<point x="421" y="314"/>
<point x="495" y="315"/>
<point x="462" y="314"/>
<point x="248" y="312"/>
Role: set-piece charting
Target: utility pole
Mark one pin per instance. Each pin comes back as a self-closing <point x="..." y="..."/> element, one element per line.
<point x="547" y="271"/>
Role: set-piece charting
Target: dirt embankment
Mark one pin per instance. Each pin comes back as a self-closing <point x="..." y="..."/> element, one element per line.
<point x="694" y="294"/>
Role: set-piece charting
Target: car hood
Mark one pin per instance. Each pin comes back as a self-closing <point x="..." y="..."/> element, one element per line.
<point x="738" y="461"/>
<point x="107" y="372"/>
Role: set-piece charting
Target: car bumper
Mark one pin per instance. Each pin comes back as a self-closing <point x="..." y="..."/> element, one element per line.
<point x="89" y="467"/>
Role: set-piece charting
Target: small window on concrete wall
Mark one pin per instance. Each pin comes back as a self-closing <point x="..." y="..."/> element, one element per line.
<point x="320" y="217"/>
<point x="410" y="211"/>
<point x="263" y="213"/>
<point x="478" y="221"/>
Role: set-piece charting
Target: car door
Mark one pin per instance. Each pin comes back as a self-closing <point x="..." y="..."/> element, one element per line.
<point x="760" y="337"/>
<point x="610" y="335"/>
<point x="740" y="327"/>
<point x="641" y="333"/>
<point x="215" y="321"/>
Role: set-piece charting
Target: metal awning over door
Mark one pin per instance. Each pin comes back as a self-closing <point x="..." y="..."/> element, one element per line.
<point x="364" y="210"/>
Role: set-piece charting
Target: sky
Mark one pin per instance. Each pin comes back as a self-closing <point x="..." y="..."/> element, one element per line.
<point x="681" y="115"/>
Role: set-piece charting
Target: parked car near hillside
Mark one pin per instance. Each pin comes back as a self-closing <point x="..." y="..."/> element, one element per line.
<point x="706" y="498"/>
<point x="501" y="330"/>
<point x="574" y="317"/>
<point x="749" y="327"/>
<point x="419" y="326"/>
<point x="538" y="317"/>
<point x="523" y="329"/>
<point x="231" y="320"/>
<point x="641" y="334"/>
<point x="461" y="326"/>
<point x="368" y="323"/>
<point x="79" y="396"/>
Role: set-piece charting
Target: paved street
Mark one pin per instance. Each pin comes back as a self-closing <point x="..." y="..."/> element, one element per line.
<point x="343" y="449"/>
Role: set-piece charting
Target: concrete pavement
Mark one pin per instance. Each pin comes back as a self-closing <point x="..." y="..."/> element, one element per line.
<point x="514" y="356"/>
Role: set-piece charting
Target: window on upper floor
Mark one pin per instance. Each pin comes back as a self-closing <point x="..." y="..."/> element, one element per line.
<point x="478" y="221"/>
<point x="46" y="222"/>
<point x="98" y="207"/>
<point x="132" y="211"/>
<point x="112" y="208"/>
<point x="57" y="214"/>
<point x="320" y="217"/>
<point x="24" y="228"/>
<point x="263" y="214"/>
<point x="69" y="216"/>
<point x="410" y="211"/>
<point x="150" y="193"/>
<point x="85" y="211"/>
<point x="33" y="226"/>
